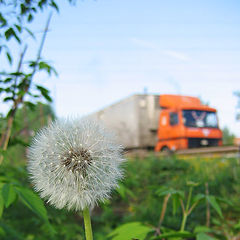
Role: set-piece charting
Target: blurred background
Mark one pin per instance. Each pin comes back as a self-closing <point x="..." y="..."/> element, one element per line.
<point x="105" y="51"/>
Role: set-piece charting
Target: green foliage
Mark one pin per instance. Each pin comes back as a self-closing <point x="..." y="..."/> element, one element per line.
<point x="228" y="137"/>
<point x="204" y="236"/>
<point x="15" y="17"/>
<point x="137" y="209"/>
<point x="27" y="121"/>
<point x="16" y="77"/>
<point x="8" y="194"/>
<point x="32" y="201"/>
<point x="22" y="213"/>
<point x="152" y="179"/>
<point x="11" y="191"/>
<point x="133" y="230"/>
<point x="1" y="205"/>
<point x="175" y="235"/>
<point x="213" y="202"/>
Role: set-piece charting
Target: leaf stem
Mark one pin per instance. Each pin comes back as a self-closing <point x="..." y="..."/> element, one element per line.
<point x="186" y="212"/>
<point x="87" y="224"/>
<point x="208" y="214"/>
<point x="183" y="221"/>
<point x="189" y="198"/>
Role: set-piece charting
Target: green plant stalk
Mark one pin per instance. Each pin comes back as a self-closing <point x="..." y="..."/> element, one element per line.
<point x="87" y="224"/>
<point x="184" y="220"/>
<point x="186" y="212"/>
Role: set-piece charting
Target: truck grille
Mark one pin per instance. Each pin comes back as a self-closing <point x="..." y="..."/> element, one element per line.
<point x="202" y="142"/>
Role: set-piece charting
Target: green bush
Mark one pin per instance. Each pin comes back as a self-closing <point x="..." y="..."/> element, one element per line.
<point x="139" y="200"/>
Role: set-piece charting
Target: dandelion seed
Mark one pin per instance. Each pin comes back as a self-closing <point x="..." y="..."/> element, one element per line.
<point x="83" y="172"/>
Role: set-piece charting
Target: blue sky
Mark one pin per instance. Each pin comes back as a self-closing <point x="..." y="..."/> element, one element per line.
<point x="106" y="50"/>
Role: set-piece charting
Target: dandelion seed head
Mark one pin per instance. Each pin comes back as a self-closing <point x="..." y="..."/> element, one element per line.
<point x="75" y="163"/>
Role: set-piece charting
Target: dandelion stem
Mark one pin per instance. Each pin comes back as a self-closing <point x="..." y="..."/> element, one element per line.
<point x="87" y="224"/>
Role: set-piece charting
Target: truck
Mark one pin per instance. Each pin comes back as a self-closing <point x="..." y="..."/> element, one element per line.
<point x="162" y="122"/>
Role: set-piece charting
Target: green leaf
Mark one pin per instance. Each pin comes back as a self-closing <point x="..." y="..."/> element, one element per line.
<point x="30" y="17"/>
<point x="133" y="230"/>
<point x="24" y="9"/>
<point x="41" y="3"/>
<point x="8" y="194"/>
<point x="1" y="205"/>
<point x="46" y="67"/>
<point x="33" y="202"/>
<point x="47" y="97"/>
<point x="30" y="32"/>
<point x="16" y="74"/>
<point x="9" y="57"/>
<point x="30" y="105"/>
<point x="6" y="99"/>
<point x="163" y="191"/>
<point x="175" y="234"/>
<point x="7" y="80"/>
<point x="200" y="229"/>
<point x="8" y="89"/>
<point x="204" y="236"/>
<point x="175" y="203"/>
<point x="19" y="28"/>
<point x="54" y="5"/>
<point x="11" y="33"/>
<point x="33" y="95"/>
<point x="224" y="200"/>
<point x="199" y="197"/>
<point x="32" y="64"/>
<point x="192" y="184"/>
<point x="33" y="8"/>
<point x="44" y="92"/>
<point x="215" y="205"/>
<point x="3" y="21"/>
<point x="121" y="190"/>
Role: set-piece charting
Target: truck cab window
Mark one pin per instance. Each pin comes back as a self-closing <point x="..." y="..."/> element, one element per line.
<point x="200" y="119"/>
<point x="173" y="118"/>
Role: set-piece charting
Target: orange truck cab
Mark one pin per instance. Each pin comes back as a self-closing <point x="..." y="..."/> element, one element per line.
<point x="186" y="123"/>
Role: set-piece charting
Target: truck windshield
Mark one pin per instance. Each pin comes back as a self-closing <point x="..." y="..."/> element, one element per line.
<point x="197" y="118"/>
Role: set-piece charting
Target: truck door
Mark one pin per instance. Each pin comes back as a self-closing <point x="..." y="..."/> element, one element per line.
<point x="173" y="125"/>
<point x="163" y="131"/>
<point x="168" y="133"/>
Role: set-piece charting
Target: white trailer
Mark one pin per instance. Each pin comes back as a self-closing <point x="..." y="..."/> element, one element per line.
<point x="134" y="120"/>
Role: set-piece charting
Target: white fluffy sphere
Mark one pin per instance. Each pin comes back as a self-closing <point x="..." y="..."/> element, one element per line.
<point x="74" y="163"/>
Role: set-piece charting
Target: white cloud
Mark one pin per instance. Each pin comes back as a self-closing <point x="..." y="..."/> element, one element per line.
<point x="177" y="55"/>
<point x="170" y="53"/>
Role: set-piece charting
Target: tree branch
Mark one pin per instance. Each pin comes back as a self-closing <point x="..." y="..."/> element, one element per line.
<point x="19" y="99"/>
